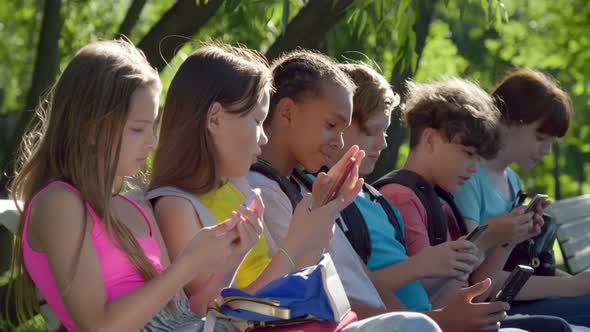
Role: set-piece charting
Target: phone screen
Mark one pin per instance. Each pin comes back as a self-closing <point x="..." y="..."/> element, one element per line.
<point x="476" y="233"/>
<point x="538" y="199"/>
<point x="250" y="198"/>
<point x="515" y="281"/>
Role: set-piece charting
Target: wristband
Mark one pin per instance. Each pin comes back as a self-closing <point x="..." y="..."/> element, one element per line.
<point x="289" y="258"/>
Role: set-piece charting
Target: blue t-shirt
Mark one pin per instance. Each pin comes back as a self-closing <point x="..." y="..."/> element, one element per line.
<point x="386" y="250"/>
<point x="480" y="200"/>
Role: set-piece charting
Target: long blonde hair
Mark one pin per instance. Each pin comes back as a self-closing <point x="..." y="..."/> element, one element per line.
<point x="85" y="112"/>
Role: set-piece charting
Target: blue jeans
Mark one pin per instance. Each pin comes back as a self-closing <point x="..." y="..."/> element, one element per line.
<point x="575" y="310"/>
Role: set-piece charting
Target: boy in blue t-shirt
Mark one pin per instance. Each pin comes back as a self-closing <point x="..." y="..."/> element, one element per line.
<point x="534" y="114"/>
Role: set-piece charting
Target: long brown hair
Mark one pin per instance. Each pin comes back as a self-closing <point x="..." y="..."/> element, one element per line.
<point x="85" y="112"/>
<point x="234" y="77"/>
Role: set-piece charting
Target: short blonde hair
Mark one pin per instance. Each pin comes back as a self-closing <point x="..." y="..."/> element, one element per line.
<point x="373" y="92"/>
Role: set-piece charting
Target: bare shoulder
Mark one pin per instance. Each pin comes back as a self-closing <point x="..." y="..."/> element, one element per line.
<point x="172" y="205"/>
<point x="55" y="213"/>
<point x="175" y="209"/>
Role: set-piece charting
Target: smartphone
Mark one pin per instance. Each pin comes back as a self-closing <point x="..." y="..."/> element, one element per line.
<point x="517" y="278"/>
<point x="250" y="198"/>
<point x="338" y="184"/>
<point x="538" y="199"/>
<point x="248" y="203"/>
<point x="476" y="233"/>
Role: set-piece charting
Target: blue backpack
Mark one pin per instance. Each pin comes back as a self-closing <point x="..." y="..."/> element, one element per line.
<point x="314" y="293"/>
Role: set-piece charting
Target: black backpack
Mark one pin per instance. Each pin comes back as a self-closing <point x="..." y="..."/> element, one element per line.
<point x="430" y="198"/>
<point x="290" y="188"/>
<point x="350" y="223"/>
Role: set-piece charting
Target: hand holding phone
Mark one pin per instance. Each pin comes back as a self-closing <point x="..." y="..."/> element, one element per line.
<point x="538" y="199"/>
<point x="248" y="203"/>
<point x="476" y="233"/>
<point x="337" y="186"/>
<point x="513" y="284"/>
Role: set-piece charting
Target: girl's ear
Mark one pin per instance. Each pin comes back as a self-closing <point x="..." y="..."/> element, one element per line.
<point x="213" y="117"/>
<point x="285" y="109"/>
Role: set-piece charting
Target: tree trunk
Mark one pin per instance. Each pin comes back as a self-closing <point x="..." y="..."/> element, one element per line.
<point x="131" y="18"/>
<point x="397" y="133"/>
<point x="175" y="28"/>
<point x="309" y="28"/>
<point x="44" y="72"/>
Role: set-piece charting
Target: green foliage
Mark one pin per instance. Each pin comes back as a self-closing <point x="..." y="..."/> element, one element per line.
<point x="476" y="39"/>
<point x="441" y="57"/>
<point x="19" y="25"/>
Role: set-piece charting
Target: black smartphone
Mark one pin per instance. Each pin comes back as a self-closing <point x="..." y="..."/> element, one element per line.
<point x="517" y="278"/>
<point x="538" y="199"/>
<point x="476" y="233"/>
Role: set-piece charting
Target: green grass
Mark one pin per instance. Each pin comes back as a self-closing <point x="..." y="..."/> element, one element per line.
<point x="559" y="262"/>
<point x="36" y="324"/>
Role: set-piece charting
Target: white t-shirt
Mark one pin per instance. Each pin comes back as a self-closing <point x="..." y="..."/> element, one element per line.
<point x="351" y="270"/>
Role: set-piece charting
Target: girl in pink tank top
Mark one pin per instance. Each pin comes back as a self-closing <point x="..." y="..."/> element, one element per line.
<point x="96" y="256"/>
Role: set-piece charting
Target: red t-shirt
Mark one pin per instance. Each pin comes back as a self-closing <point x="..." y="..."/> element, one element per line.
<point x="415" y="218"/>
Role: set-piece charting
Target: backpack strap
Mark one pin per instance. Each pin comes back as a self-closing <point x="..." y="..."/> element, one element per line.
<point x="302" y="177"/>
<point x="388" y="208"/>
<point x="355" y="228"/>
<point x="356" y="232"/>
<point x="448" y="198"/>
<point x="201" y="210"/>
<point x="437" y="223"/>
<point x="287" y="186"/>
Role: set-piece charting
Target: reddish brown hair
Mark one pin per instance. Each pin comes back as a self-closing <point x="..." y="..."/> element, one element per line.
<point x="525" y="96"/>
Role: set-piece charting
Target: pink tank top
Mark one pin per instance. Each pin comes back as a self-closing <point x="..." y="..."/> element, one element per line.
<point x="119" y="275"/>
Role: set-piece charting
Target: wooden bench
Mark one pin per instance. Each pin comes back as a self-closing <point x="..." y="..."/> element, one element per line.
<point x="573" y="218"/>
<point x="9" y="221"/>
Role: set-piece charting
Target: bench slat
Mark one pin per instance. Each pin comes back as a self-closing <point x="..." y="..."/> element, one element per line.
<point x="573" y="230"/>
<point x="571" y="208"/>
<point x="9" y="217"/>
<point x="573" y="246"/>
<point x="580" y="262"/>
<point x="572" y="200"/>
<point x="568" y="214"/>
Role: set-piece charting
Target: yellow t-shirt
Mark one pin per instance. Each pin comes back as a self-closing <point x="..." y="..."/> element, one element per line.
<point x="221" y="203"/>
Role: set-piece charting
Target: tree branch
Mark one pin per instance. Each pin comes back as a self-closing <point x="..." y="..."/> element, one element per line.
<point x="425" y="10"/>
<point x="131" y="17"/>
<point x="308" y="29"/>
<point x="44" y="72"/>
<point x="184" y="19"/>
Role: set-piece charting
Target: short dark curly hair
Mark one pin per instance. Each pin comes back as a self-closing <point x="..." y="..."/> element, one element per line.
<point x="458" y="108"/>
